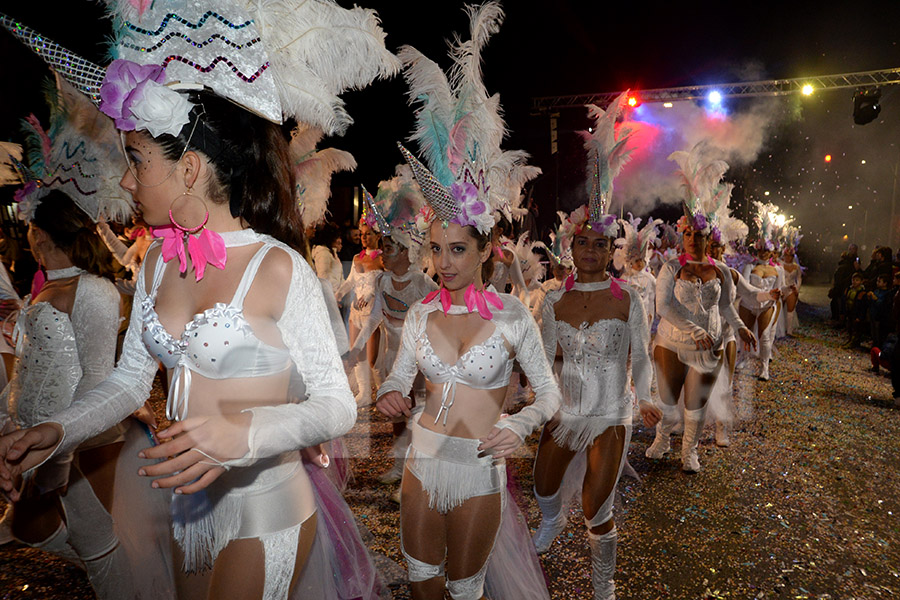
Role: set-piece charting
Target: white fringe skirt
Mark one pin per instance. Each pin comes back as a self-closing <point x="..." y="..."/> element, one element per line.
<point x="450" y="468"/>
<point x="268" y="500"/>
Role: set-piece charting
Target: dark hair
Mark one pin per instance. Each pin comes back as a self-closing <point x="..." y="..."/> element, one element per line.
<point x="72" y="231"/>
<point x="251" y="161"/>
<point x="884" y="277"/>
<point x="326" y="236"/>
<point x="886" y="253"/>
<point x="482" y="240"/>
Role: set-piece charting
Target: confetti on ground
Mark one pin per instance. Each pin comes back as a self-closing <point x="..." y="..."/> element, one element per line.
<point x="803" y="504"/>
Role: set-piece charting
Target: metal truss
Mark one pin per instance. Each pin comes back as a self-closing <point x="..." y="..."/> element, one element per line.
<point x="773" y="87"/>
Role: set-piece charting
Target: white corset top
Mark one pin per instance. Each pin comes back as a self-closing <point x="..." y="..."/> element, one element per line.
<point x="594" y="380"/>
<point x="48" y="369"/>
<point x="484" y="366"/>
<point x="217" y="343"/>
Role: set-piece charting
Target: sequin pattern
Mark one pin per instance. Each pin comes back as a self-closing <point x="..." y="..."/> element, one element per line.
<point x="48" y="369"/>
<point x="593" y="380"/>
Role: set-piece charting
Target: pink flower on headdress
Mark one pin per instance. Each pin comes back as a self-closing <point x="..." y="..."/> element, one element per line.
<point x="135" y="97"/>
<point x="24" y="191"/>
<point x="123" y="86"/>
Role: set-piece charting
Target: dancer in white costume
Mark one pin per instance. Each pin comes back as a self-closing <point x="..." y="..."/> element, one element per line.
<point x="464" y="339"/>
<point x="793" y="279"/>
<point x="561" y="267"/>
<point x="399" y="287"/>
<point x="208" y="165"/>
<point x="632" y="256"/>
<point x="366" y="268"/>
<point x="693" y="296"/>
<point x="764" y="274"/>
<point x="730" y="231"/>
<point x="593" y="324"/>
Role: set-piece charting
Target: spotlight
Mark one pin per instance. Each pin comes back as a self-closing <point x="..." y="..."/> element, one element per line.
<point x="715" y="97"/>
<point x="807" y="90"/>
<point x="667" y="105"/>
<point x="827" y="158"/>
<point x="866" y="105"/>
<point x="633" y="101"/>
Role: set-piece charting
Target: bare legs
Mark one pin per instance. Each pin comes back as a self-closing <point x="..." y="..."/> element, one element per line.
<point x="465" y="536"/>
<point x="674" y="377"/>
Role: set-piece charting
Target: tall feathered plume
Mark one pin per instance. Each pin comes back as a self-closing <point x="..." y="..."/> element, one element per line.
<point x="532" y="269"/>
<point x="77" y="154"/>
<point x="766" y="223"/>
<point x="732" y="231"/>
<point x="459" y="127"/>
<point x="635" y="244"/>
<point x="701" y="178"/>
<point x="313" y="170"/>
<point x="608" y="151"/>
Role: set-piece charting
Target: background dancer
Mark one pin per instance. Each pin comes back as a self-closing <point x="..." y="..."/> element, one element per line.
<point x="693" y="295"/>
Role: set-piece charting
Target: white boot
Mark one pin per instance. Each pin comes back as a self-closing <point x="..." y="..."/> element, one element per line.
<point x="693" y="427"/>
<point x="603" y="564"/>
<point x="661" y="445"/>
<point x="553" y="520"/>
<point x="722" y="439"/>
<point x="764" y="370"/>
<point x="364" y="381"/>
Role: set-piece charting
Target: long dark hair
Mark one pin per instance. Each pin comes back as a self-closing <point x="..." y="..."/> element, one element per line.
<point x="251" y="161"/>
<point x="482" y="240"/>
<point x="72" y="231"/>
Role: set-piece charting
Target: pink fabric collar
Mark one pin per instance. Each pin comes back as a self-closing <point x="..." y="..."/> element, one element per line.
<point x="613" y="283"/>
<point x="476" y="300"/>
<point x="684" y="259"/>
<point x="370" y="253"/>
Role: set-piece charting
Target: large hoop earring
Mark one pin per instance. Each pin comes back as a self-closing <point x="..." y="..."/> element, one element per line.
<point x="178" y="225"/>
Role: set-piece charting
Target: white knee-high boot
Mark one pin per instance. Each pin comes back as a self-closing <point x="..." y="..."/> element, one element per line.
<point x="765" y="351"/>
<point x="664" y="428"/>
<point x="603" y="564"/>
<point x="693" y="427"/>
<point x="553" y="520"/>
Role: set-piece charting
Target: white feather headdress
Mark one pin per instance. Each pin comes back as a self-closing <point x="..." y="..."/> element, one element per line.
<point x="77" y="155"/>
<point x="313" y="170"/>
<point x="459" y="129"/>
<point x="276" y="58"/>
<point x="767" y="225"/>
<point x="608" y="151"/>
<point x="705" y="194"/>
<point x="532" y="269"/>
<point x="635" y="244"/>
<point x="394" y="210"/>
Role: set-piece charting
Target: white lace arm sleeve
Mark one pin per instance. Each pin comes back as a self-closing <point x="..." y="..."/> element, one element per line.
<point x="329" y="410"/>
<point x="726" y="298"/>
<point x="348" y="284"/>
<point x="641" y="368"/>
<point x="780" y="283"/>
<point x="118" y="395"/>
<point x="334" y="317"/>
<point x="404" y="370"/>
<point x="95" y="321"/>
<point x="116" y="246"/>
<point x="549" y="334"/>
<point x="668" y="306"/>
<point x="372" y="322"/>
<point x="533" y="360"/>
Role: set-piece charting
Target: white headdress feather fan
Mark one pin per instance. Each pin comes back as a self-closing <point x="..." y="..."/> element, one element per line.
<point x="313" y="170"/>
<point x="635" y="244"/>
<point x="608" y="152"/>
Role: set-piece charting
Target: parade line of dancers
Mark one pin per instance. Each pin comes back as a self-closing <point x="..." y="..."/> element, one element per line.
<point x="452" y="332"/>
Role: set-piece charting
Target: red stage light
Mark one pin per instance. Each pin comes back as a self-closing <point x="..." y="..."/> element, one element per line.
<point x="633" y="102"/>
<point x="827" y="158"/>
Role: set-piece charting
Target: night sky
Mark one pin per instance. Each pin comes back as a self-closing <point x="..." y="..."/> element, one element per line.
<point x="567" y="46"/>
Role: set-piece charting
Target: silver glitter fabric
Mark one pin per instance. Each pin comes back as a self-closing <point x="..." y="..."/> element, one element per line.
<point x="599" y="201"/>
<point x="436" y="195"/>
<point x="219" y="48"/>
<point x="82" y="73"/>
<point x="384" y="228"/>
